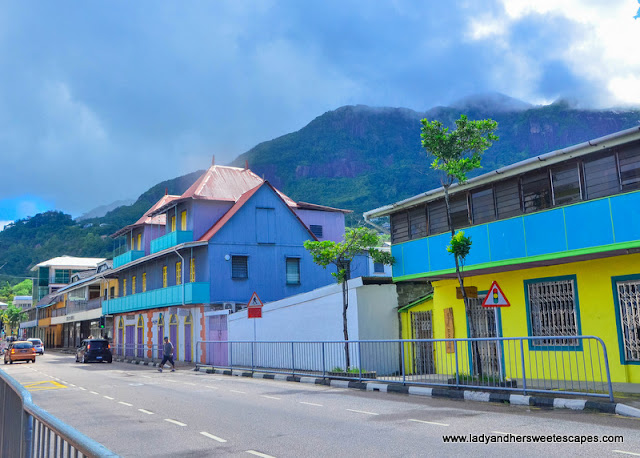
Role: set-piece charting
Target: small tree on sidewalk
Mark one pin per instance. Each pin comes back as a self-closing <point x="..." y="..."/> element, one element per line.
<point x="455" y="154"/>
<point x="13" y="316"/>
<point x="357" y="241"/>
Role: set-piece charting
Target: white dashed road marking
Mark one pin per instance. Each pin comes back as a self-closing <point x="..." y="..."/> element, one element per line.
<point x="362" y="411"/>
<point x="83" y="389"/>
<point x="434" y="423"/>
<point x="263" y="455"/>
<point x="626" y="453"/>
<point x="108" y="397"/>
<point x="211" y="436"/>
<point x="212" y="387"/>
<point x="310" y="404"/>
<point x="175" y="422"/>
<point x="145" y="411"/>
<point x="236" y="391"/>
<point x="93" y="392"/>
<point x="125" y="404"/>
<point x="270" y="397"/>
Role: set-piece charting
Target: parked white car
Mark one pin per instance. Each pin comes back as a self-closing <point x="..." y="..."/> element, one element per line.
<point x="38" y="345"/>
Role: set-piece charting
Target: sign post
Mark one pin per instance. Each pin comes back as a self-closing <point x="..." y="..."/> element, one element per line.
<point x="495" y="298"/>
<point x="254" y="310"/>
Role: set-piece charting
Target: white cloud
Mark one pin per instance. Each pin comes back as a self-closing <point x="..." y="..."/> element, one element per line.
<point x="3" y="224"/>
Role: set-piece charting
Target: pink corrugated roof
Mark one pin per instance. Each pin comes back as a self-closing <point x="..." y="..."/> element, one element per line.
<point x="147" y="218"/>
<point x="238" y="205"/>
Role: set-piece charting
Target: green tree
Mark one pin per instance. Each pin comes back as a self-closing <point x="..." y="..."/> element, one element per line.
<point x="456" y="154"/>
<point x="12" y="317"/>
<point x="23" y="288"/>
<point x="340" y="254"/>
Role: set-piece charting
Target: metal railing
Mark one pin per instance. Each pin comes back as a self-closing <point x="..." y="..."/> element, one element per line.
<point x="59" y="312"/>
<point x="27" y="430"/>
<point x="512" y="364"/>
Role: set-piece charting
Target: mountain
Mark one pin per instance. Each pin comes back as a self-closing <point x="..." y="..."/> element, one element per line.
<point x="104" y="209"/>
<point x="354" y="157"/>
<point x="360" y="158"/>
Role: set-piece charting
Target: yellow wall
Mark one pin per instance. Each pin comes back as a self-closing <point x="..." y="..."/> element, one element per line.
<point x="595" y="302"/>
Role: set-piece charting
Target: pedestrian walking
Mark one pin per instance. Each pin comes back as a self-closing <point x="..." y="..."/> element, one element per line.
<point x="167" y="355"/>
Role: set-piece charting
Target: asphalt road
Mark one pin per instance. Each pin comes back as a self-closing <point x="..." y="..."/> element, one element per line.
<point x="137" y="411"/>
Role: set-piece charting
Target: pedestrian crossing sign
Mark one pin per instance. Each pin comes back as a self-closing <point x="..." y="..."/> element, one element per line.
<point x="495" y="297"/>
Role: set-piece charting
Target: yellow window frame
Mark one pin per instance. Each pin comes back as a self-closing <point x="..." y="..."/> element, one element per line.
<point x="164" y="276"/>
<point x="192" y="270"/>
<point x="183" y="220"/>
<point x="178" y="273"/>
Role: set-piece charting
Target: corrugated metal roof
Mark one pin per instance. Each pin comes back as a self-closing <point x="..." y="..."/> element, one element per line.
<point x="69" y="261"/>
<point x="159" y="220"/>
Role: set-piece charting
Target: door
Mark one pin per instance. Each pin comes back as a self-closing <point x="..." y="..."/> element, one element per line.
<point x="217" y="352"/>
<point x="484" y="355"/>
<point x="128" y="341"/>
<point x="173" y="335"/>
<point x="422" y="327"/>
<point x="140" y="342"/>
<point x="187" y="338"/>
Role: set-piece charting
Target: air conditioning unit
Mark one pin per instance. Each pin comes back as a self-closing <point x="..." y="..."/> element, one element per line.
<point x="229" y="306"/>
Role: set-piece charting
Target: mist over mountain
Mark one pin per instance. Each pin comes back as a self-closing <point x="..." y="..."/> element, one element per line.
<point x="355" y="157"/>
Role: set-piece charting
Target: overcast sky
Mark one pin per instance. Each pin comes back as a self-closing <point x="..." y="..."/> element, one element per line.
<point x="101" y="100"/>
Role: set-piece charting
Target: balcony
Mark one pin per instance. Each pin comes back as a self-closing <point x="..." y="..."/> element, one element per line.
<point x="194" y="293"/>
<point x="127" y="257"/>
<point x="171" y="239"/>
<point x="586" y="228"/>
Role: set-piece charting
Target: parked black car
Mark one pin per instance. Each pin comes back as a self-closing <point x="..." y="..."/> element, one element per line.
<point x="94" y="350"/>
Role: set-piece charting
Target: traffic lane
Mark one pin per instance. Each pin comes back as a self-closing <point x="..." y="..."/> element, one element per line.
<point x="244" y="387"/>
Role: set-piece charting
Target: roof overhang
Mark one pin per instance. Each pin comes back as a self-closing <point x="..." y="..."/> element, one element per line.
<point x="537" y="162"/>
<point x="112" y="273"/>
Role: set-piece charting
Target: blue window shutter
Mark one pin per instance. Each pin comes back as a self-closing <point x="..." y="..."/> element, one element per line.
<point x="265" y="225"/>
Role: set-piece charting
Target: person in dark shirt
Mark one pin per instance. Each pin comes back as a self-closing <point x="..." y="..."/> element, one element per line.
<point x="167" y="355"/>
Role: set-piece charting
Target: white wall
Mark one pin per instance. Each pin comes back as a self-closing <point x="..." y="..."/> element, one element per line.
<point x="316" y="316"/>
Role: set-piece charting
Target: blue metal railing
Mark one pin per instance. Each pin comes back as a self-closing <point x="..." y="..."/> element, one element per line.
<point x="576" y="365"/>
<point x="27" y="430"/>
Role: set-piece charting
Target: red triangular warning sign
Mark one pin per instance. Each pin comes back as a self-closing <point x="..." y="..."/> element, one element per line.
<point x="495" y="297"/>
<point x="254" y="301"/>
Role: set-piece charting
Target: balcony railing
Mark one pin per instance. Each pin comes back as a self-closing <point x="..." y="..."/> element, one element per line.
<point x="59" y="312"/>
<point x="194" y="293"/>
<point x="171" y="239"/>
<point x="127" y="257"/>
<point x="607" y="224"/>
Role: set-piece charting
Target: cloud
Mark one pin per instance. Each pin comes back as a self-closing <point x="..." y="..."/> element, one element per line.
<point x="103" y="101"/>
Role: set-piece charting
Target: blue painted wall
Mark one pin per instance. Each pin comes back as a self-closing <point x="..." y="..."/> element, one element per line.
<point x="266" y="262"/>
<point x="560" y="231"/>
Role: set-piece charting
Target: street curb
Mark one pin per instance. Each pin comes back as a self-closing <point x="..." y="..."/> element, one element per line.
<point x="463" y="395"/>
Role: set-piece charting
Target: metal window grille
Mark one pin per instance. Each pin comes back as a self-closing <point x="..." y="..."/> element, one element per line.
<point x="316" y="229"/>
<point x="239" y="267"/>
<point x="423" y="354"/>
<point x="483" y="325"/>
<point x="629" y="301"/>
<point x="293" y="271"/>
<point x="552" y="306"/>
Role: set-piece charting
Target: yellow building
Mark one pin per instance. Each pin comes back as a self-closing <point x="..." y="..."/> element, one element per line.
<point x="560" y="234"/>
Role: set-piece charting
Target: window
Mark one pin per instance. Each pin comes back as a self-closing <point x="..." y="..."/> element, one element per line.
<point x="507" y="199"/>
<point x="133" y="285"/>
<point x="164" y="276"/>
<point x="192" y="270"/>
<point x="629" y="161"/>
<point x="183" y="220"/>
<point x="378" y="268"/>
<point x="418" y="222"/>
<point x="144" y="282"/>
<point x="316" y="229"/>
<point x="293" y="271"/>
<point x="173" y="224"/>
<point x="566" y="184"/>
<point x="61" y="276"/>
<point x="483" y="207"/>
<point x="239" y="268"/>
<point x="459" y="211"/>
<point x="112" y="292"/>
<point x="601" y="177"/>
<point x="265" y="225"/>
<point x="178" y="273"/>
<point x="139" y="241"/>
<point x="553" y="311"/>
<point x="399" y="227"/>
<point x="629" y="317"/>
<point x="124" y="287"/>
<point x="536" y="192"/>
<point x="438" y="221"/>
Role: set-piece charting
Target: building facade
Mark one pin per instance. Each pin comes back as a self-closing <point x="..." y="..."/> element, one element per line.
<point x="229" y="235"/>
<point x="560" y="233"/>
